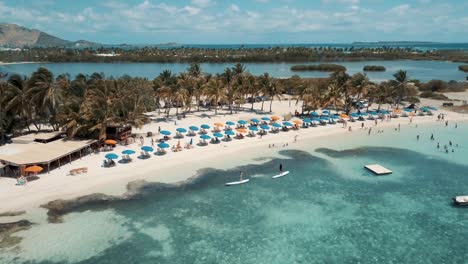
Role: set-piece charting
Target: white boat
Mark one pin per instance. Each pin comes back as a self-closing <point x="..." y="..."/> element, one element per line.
<point x="240" y="181"/>
<point x="284" y="173"/>
<point x="237" y="182"/>
<point x="461" y="200"/>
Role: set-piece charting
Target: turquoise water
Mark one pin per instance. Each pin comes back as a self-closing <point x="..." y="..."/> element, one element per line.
<point x="421" y="70"/>
<point x="327" y="210"/>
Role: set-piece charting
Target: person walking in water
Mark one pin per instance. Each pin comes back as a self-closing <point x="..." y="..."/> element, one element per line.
<point x="432" y="136"/>
<point x="417" y="137"/>
<point x="281" y="167"/>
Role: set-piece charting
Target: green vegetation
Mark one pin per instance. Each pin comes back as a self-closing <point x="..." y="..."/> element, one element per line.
<point x="442" y="86"/>
<point x="433" y="95"/>
<point x="463" y="68"/>
<point x="86" y="105"/>
<point x="198" y="55"/>
<point x="374" y="68"/>
<point x="319" y="67"/>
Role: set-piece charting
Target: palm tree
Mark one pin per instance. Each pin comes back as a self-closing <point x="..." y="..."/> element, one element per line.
<point x="215" y="92"/>
<point x="310" y="95"/>
<point x="163" y="86"/>
<point x="18" y="103"/>
<point x="340" y="91"/>
<point x="271" y="88"/>
<point x="401" y="85"/>
<point x="360" y="84"/>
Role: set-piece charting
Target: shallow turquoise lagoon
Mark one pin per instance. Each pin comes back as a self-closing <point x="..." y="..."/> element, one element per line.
<point x="327" y="210"/>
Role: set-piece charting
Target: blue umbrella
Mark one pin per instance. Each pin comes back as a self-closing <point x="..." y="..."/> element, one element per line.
<point x="325" y="112"/>
<point x="254" y="120"/>
<point x="335" y="117"/>
<point x="181" y="130"/>
<point x="205" y="137"/>
<point x="111" y="156"/>
<point x="373" y="113"/>
<point x="230" y="132"/>
<point x="265" y="127"/>
<point x="266" y="118"/>
<point x="253" y="128"/>
<point x="163" y="145"/>
<point x="230" y="123"/>
<point x="316" y="119"/>
<point x="307" y="120"/>
<point x="193" y="128"/>
<point x="165" y="132"/>
<point x="314" y="114"/>
<point x="433" y="108"/>
<point x="128" y="152"/>
<point x="147" y="148"/>
<point x="354" y="115"/>
<point x="364" y="114"/>
<point x="324" y="118"/>
<point x="385" y="112"/>
<point x="276" y="125"/>
<point x="425" y="109"/>
<point x="218" y="135"/>
<point x="242" y="122"/>
<point x="408" y="110"/>
<point x="287" y="124"/>
<point x="205" y="126"/>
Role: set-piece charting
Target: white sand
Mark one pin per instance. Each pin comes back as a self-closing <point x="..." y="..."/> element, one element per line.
<point x="173" y="167"/>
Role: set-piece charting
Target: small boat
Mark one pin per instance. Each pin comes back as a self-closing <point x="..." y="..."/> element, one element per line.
<point x="240" y="181"/>
<point x="284" y="173"/>
<point x="460" y="200"/>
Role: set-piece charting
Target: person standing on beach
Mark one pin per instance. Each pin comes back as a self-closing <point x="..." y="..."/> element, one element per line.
<point x="370" y="129"/>
<point x="399" y="127"/>
<point x="159" y="129"/>
<point x="295" y="138"/>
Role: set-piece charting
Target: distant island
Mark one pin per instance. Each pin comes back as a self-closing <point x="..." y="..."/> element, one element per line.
<point x="374" y="68"/>
<point x="394" y="42"/>
<point x="320" y="67"/>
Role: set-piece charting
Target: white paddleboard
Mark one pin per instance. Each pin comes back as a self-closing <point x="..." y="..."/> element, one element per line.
<point x="284" y="173"/>
<point x="237" y="182"/>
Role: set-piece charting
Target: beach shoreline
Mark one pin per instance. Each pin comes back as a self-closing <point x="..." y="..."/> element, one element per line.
<point x="176" y="168"/>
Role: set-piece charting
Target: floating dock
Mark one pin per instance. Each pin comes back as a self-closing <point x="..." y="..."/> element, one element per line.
<point x="378" y="169"/>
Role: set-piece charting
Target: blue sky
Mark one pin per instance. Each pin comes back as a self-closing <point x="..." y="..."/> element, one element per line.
<point x="242" y="21"/>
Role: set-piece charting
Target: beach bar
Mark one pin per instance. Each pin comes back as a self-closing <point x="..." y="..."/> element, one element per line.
<point x="48" y="155"/>
<point x="378" y="169"/>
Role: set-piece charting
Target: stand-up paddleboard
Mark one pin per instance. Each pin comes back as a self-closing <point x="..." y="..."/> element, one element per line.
<point x="237" y="182"/>
<point x="284" y="173"/>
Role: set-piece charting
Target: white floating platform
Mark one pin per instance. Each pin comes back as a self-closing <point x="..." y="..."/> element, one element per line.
<point x="378" y="169"/>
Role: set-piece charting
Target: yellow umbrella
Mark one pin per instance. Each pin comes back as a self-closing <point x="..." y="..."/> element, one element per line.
<point x="110" y="142"/>
<point x="218" y="124"/>
<point x="344" y="116"/>
<point x="33" y="168"/>
<point x="297" y="122"/>
<point x="275" y="118"/>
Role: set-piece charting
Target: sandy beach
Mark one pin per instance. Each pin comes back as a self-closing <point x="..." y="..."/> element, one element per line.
<point x="176" y="167"/>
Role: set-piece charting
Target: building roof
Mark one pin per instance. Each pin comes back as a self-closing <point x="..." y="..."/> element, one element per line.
<point x="40" y="153"/>
<point x="44" y="136"/>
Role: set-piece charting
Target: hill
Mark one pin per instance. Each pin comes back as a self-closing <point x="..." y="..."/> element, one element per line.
<point x="12" y="35"/>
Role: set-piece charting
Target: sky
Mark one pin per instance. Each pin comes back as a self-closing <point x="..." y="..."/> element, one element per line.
<point x="242" y="21"/>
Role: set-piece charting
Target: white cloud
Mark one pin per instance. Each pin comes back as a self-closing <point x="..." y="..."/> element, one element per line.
<point x="202" y="3"/>
<point x="234" y="8"/>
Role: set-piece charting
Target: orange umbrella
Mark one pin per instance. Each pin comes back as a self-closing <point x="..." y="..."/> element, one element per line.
<point x="397" y="110"/>
<point x="275" y="118"/>
<point x="297" y="122"/>
<point x="34" y="168"/>
<point x="110" y="142"/>
<point x="218" y="124"/>
<point x="344" y="116"/>
<point x="241" y="130"/>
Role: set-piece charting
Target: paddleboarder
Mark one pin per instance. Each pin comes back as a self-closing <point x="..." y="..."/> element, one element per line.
<point x="281" y="167"/>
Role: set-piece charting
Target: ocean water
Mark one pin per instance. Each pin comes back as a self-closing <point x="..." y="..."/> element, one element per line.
<point x="421" y="70"/>
<point x="327" y="210"/>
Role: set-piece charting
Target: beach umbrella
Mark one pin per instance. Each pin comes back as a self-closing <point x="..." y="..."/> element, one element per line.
<point x="276" y="125"/>
<point x="165" y="132"/>
<point x="163" y="145"/>
<point x="275" y="118"/>
<point x="219" y="124"/>
<point x="324" y="118"/>
<point x="354" y="115"/>
<point x="254" y="120"/>
<point x="128" y="152"/>
<point x="111" y="156"/>
<point x="433" y="108"/>
<point x="230" y="133"/>
<point x="147" y="148"/>
<point x="385" y="112"/>
<point x="373" y="113"/>
<point x="297" y="122"/>
<point x="218" y="135"/>
<point x="325" y="112"/>
<point x="364" y="114"/>
<point x="205" y="126"/>
<point x="314" y="114"/>
<point x="205" y="137"/>
<point x="253" y="128"/>
<point x="316" y="119"/>
<point x="110" y="142"/>
<point x="335" y="117"/>
<point x="34" y="168"/>
<point x="181" y="130"/>
<point x="424" y="109"/>
<point x="266" y="118"/>
<point x="241" y="130"/>
<point x="265" y="127"/>
<point x="408" y="110"/>
<point x="230" y="123"/>
<point x="242" y="122"/>
<point x="287" y="124"/>
<point x="307" y="120"/>
<point x="193" y="128"/>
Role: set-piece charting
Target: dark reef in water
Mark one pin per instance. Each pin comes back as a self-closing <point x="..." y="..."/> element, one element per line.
<point x="7" y="229"/>
<point x="15" y="213"/>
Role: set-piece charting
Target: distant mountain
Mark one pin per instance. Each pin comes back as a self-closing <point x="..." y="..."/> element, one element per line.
<point x="12" y="35"/>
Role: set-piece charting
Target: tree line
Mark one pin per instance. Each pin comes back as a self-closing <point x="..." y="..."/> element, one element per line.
<point x="85" y="105"/>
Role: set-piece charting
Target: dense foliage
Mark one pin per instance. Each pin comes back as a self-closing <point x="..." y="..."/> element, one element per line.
<point x="374" y="68"/>
<point x="463" y="68"/>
